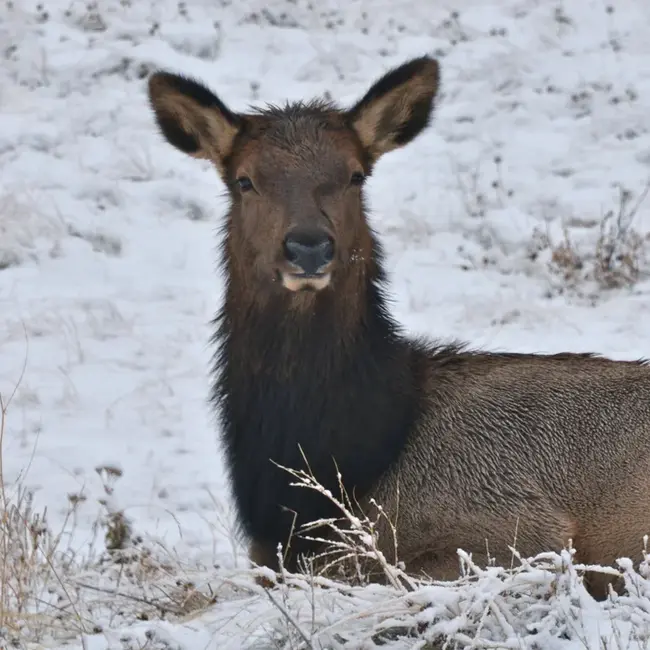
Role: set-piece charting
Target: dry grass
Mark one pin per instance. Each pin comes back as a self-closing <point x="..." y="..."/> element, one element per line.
<point x="620" y="252"/>
<point x="619" y="249"/>
<point x="593" y="255"/>
<point x="34" y="562"/>
<point x="51" y="592"/>
<point x="537" y="603"/>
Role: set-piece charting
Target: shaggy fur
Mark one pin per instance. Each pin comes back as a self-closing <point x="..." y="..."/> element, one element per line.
<point x="462" y="448"/>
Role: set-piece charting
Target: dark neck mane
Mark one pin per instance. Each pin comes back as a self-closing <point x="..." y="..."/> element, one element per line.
<point x="287" y="379"/>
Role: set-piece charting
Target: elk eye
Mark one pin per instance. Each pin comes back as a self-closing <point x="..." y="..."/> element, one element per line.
<point x="357" y="178"/>
<point x="244" y="183"/>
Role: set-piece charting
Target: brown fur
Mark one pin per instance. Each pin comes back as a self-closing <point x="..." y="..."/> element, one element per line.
<point x="464" y="449"/>
<point x="552" y="449"/>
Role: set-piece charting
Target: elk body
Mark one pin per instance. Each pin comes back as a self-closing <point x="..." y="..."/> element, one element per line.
<point x="461" y="447"/>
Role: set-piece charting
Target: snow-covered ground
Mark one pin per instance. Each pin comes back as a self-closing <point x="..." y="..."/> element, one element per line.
<point x="516" y="222"/>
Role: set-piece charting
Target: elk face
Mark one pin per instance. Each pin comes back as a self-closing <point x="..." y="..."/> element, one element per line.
<point x="295" y="174"/>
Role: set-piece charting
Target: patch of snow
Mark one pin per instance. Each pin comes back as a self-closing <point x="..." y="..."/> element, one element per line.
<point x="108" y="237"/>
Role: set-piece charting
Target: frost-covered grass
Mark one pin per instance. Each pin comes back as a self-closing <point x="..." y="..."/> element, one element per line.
<point x="138" y="594"/>
<point x="519" y="221"/>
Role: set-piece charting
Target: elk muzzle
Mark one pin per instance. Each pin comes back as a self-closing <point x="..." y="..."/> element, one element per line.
<point x="309" y="255"/>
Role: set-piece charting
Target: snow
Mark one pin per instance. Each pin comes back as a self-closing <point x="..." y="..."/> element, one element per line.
<point x="108" y="238"/>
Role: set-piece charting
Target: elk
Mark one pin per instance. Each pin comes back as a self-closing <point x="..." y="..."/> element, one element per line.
<point x="460" y="446"/>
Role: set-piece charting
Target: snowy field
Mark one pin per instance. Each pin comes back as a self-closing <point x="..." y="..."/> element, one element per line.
<point x="516" y="222"/>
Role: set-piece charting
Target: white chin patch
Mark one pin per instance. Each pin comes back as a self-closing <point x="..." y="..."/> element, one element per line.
<point x="299" y="283"/>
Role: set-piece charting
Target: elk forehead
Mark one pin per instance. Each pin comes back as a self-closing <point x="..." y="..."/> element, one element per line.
<point x="299" y="145"/>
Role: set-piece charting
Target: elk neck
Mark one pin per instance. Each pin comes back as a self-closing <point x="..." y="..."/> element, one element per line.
<point x="336" y="386"/>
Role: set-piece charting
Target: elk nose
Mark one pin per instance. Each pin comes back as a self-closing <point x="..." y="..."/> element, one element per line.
<point x="310" y="251"/>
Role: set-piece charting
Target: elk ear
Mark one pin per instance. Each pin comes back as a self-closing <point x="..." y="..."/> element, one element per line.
<point x="397" y="107"/>
<point x="192" y="118"/>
